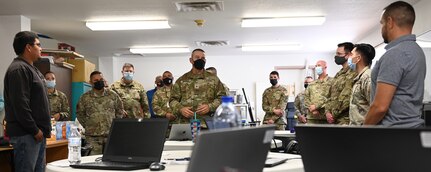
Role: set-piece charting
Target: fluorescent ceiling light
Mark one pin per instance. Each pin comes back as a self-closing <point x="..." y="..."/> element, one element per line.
<point x="424" y="44"/>
<point x="159" y="50"/>
<point x="286" y="21"/>
<point x="285" y="47"/>
<point x="127" y="25"/>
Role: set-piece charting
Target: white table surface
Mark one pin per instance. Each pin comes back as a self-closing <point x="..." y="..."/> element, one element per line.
<point x="283" y="133"/>
<point x="294" y="165"/>
<point x="188" y="145"/>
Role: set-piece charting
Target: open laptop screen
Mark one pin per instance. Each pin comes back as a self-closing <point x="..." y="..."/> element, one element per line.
<point x="136" y="140"/>
<point x="231" y="149"/>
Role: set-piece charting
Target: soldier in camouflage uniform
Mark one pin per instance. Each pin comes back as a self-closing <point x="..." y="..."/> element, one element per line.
<point x="96" y="109"/>
<point x="316" y="95"/>
<point x="58" y="104"/>
<point x="213" y="70"/>
<point x="160" y="102"/>
<point x="274" y="101"/>
<point x="337" y="107"/>
<point x="132" y="94"/>
<point x="360" y="61"/>
<point x="158" y="83"/>
<point x="300" y="109"/>
<point x="196" y="91"/>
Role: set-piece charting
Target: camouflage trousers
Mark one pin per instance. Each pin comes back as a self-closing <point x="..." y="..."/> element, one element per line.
<point x="343" y="121"/>
<point x="98" y="142"/>
<point x="280" y="127"/>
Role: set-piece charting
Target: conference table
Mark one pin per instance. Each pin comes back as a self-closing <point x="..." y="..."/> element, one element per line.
<point x="294" y="164"/>
<point x="283" y="133"/>
<point x="171" y="145"/>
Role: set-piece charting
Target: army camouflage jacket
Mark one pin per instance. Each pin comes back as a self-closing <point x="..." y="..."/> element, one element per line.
<point x="161" y="101"/>
<point x="274" y="98"/>
<point x="96" y="112"/>
<point x="361" y="99"/>
<point x="299" y="102"/>
<point x="58" y="104"/>
<point x="317" y="94"/>
<point x="134" y="98"/>
<point x="193" y="90"/>
<point x="339" y="94"/>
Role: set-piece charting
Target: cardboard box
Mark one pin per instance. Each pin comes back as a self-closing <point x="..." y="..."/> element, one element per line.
<point x="82" y="70"/>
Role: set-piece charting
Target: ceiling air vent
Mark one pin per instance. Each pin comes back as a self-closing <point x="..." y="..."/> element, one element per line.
<point x="199" y="6"/>
<point x="211" y="43"/>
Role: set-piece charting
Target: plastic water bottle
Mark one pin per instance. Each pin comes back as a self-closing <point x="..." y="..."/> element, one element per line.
<point x="226" y="116"/>
<point x="74" y="145"/>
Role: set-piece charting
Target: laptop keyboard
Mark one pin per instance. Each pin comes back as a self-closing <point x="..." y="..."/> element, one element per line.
<point x="112" y="165"/>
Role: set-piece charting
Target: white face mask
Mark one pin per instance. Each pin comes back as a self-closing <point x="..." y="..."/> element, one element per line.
<point x="128" y="76"/>
<point x="50" y="84"/>
<point x="319" y="70"/>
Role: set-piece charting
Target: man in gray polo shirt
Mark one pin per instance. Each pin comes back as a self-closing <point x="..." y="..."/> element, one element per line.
<point x="397" y="80"/>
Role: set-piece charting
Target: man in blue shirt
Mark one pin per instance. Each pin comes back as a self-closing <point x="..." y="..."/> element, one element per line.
<point x="150" y="93"/>
<point x="397" y="80"/>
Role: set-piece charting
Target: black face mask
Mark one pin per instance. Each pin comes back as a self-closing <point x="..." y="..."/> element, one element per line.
<point x="273" y="81"/>
<point x="339" y="60"/>
<point x="305" y="85"/>
<point x="167" y="81"/>
<point x="199" y="64"/>
<point x="99" y="85"/>
<point x="160" y="84"/>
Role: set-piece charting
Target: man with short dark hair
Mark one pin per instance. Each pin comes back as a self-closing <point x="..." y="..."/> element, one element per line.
<point x="158" y="83"/>
<point x="197" y="91"/>
<point x="397" y="79"/>
<point x="300" y="108"/>
<point x="27" y="107"/>
<point x="337" y="106"/>
<point x="132" y="93"/>
<point x="161" y="98"/>
<point x="360" y="61"/>
<point x="96" y="109"/>
<point x="274" y="101"/>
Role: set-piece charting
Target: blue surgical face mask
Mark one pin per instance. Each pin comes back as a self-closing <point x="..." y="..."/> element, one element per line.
<point x="128" y="76"/>
<point x="351" y="64"/>
<point x="50" y="84"/>
<point x="319" y="70"/>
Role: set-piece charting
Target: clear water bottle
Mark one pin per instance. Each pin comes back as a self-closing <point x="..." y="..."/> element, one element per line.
<point x="226" y="115"/>
<point x="74" y="145"/>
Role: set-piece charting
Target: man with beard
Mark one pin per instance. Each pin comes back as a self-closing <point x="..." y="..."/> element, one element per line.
<point x="397" y="79"/>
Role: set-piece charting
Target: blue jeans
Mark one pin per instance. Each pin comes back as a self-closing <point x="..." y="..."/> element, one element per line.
<point x="29" y="155"/>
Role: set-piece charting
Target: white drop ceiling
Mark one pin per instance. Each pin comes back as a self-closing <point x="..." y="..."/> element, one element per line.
<point x="64" y="20"/>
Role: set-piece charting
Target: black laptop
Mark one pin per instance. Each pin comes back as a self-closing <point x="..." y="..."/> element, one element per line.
<point x="232" y="149"/>
<point x="132" y="144"/>
<point x="358" y="149"/>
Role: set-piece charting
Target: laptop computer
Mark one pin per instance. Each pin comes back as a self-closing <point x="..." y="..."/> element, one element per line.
<point x="210" y="123"/>
<point x="180" y="132"/>
<point x="231" y="149"/>
<point x="132" y="144"/>
<point x="357" y="149"/>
